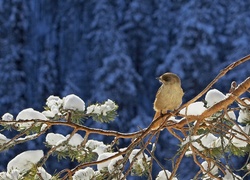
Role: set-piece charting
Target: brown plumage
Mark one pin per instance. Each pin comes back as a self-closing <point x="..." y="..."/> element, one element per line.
<point x="169" y="95"/>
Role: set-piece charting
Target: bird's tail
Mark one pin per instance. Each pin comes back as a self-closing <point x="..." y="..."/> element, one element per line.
<point x="157" y="121"/>
<point x="157" y="114"/>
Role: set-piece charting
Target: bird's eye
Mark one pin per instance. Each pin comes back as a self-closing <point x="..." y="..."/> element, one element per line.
<point x="166" y="78"/>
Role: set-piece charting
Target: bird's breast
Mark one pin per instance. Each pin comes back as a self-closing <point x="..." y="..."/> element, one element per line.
<point x="168" y="97"/>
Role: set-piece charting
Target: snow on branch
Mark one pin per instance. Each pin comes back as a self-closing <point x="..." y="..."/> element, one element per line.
<point x="207" y="131"/>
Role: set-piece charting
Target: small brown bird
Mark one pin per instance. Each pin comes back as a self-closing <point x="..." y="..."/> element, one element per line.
<point x="168" y="97"/>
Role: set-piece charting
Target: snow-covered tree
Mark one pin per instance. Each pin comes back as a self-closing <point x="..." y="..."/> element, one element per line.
<point x="195" y="51"/>
<point x="12" y="41"/>
<point x="114" y="75"/>
<point x="235" y="39"/>
<point x="116" y="79"/>
<point x="101" y="37"/>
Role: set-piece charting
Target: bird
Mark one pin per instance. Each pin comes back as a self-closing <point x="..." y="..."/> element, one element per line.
<point x="168" y="97"/>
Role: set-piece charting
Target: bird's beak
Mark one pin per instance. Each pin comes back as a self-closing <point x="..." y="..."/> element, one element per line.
<point x="159" y="79"/>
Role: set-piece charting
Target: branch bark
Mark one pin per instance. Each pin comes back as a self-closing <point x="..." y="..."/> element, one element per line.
<point x="241" y="89"/>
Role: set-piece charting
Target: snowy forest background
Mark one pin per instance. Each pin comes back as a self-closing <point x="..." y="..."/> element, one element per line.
<point x="102" y="49"/>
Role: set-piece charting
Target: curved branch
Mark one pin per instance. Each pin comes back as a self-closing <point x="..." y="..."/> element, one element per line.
<point x="221" y="74"/>
<point x="81" y="127"/>
<point x="242" y="88"/>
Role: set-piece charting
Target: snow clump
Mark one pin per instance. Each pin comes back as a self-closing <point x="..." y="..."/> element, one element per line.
<point x="7" y="117"/>
<point x="214" y="96"/>
<point x="162" y="175"/>
<point x="97" y="146"/>
<point x="196" y="108"/>
<point x="210" y="167"/>
<point x="140" y="160"/>
<point x="105" y="164"/>
<point x="24" y="161"/>
<point x="3" y="139"/>
<point x="201" y="141"/>
<point x="84" y="174"/>
<point x="244" y="113"/>
<point x="73" y="102"/>
<point x="109" y="105"/>
<point x="29" y="114"/>
<point x="54" y="103"/>
<point x="55" y="139"/>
